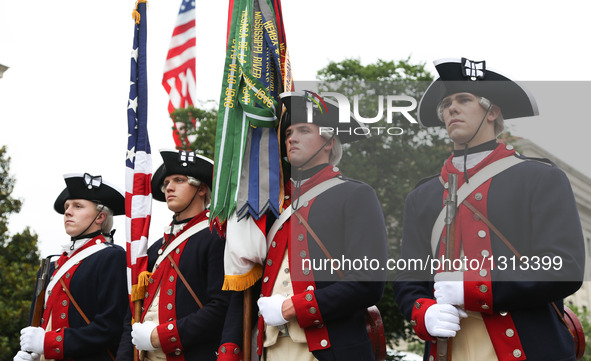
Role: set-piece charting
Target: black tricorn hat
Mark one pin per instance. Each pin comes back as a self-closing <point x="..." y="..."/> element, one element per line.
<point x="324" y="112"/>
<point x="463" y="75"/>
<point x="91" y="188"/>
<point x="181" y="162"/>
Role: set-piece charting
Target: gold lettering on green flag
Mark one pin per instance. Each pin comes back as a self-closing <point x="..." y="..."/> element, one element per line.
<point x="244" y="102"/>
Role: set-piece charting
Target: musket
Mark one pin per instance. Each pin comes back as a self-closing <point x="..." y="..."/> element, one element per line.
<point x="444" y="344"/>
<point x="39" y="300"/>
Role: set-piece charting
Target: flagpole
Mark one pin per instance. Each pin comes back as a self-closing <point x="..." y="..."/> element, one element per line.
<point x="137" y="312"/>
<point x="138" y="170"/>
<point x="247" y="329"/>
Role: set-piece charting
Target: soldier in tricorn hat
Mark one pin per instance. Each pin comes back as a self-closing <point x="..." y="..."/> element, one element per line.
<point x="86" y="297"/>
<point x="305" y="313"/>
<point x="184" y="307"/>
<point x="508" y="207"/>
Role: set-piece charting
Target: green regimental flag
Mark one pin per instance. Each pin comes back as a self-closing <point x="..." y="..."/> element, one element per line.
<point x="247" y="172"/>
<point x="244" y="102"/>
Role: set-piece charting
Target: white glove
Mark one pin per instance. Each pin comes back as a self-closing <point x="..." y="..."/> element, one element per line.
<point x="271" y="310"/>
<point x="443" y="320"/>
<point x="141" y="334"/>
<point x="32" y="339"/>
<point x="449" y="288"/>
<point x="25" y="356"/>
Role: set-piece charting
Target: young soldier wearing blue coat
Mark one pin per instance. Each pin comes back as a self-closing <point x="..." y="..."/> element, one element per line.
<point x="92" y="270"/>
<point x="305" y="313"/>
<point x="182" y="321"/>
<point x="496" y="309"/>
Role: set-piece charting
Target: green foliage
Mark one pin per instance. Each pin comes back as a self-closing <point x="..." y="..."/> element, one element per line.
<point x="584" y="316"/>
<point x="351" y="69"/>
<point x="197" y="129"/>
<point x="391" y="164"/>
<point x="19" y="261"/>
<point x="8" y="205"/>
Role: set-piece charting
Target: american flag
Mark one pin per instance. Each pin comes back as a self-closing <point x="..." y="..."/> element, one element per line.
<point x="179" y="69"/>
<point x="138" y="171"/>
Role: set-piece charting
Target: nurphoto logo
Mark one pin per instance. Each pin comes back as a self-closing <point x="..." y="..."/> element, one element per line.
<point x="391" y="104"/>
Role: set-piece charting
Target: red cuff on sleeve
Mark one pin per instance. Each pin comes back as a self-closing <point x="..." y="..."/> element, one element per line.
<point x="417" y="320"/>
<point x="170" y="341"/>
<point x="478" y="291"/>
<point x="229" y="352"/>
<point x="53" y="345"/>
<point x="306" y="309"/>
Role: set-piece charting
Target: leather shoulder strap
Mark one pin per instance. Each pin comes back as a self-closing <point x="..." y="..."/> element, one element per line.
<point x="178" y="271"/>
<point x="317" y="239"/>
<point x="73" y="301"/>
<point x="509" y="245"/>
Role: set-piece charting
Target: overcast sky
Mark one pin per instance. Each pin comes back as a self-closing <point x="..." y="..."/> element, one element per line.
<point x="63" y="99"/>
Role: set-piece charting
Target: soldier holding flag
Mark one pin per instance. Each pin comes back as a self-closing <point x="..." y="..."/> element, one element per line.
<point x="184" y="305"/>
<point x="508" y="207"/>
<point x="306" y="313"/>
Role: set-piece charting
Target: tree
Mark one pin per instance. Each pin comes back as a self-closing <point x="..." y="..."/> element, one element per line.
<point x="19" y="261"/>
<point x="584" y="316"/>
<point x="8" y="205"/>
<point x="391" y="164"/>
<point x="197" y="125"/>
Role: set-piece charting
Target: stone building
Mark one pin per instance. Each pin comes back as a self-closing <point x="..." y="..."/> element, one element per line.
<point x="581" y="185"/>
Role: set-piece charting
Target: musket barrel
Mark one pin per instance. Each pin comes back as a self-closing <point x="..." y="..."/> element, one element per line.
<point x="450" y="213"/>
<point x="444" y="345"/>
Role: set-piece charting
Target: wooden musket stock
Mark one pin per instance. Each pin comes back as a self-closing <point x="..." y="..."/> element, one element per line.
<point x="40" y="287"/>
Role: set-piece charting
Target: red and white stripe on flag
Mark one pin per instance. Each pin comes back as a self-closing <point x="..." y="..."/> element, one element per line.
<point x="138" y="199"/>
<point x="138" y="163"/>
<point x="179" y="69"/>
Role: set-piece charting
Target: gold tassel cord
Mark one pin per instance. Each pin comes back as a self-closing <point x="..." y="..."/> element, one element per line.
<point x="138" y="291"/>
<point x="242" y="282"/>
<point x="135" y="14"/>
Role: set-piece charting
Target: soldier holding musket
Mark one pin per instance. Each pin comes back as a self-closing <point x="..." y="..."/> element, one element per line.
<point x="86" y="295"/>
<point x="506" y="205"/>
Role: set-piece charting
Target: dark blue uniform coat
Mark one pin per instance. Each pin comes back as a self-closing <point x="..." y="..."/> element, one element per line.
<point x="532" y="205"/>
<point x="99" y="287"/>
<point x="349" y="221"/>
<point x="198" y="330"/>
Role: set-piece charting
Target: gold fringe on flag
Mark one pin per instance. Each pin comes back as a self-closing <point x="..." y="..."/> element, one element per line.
<point x="242" y="282"/>
<point x="138" y="291"/>
<point x="135" y="14"/>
